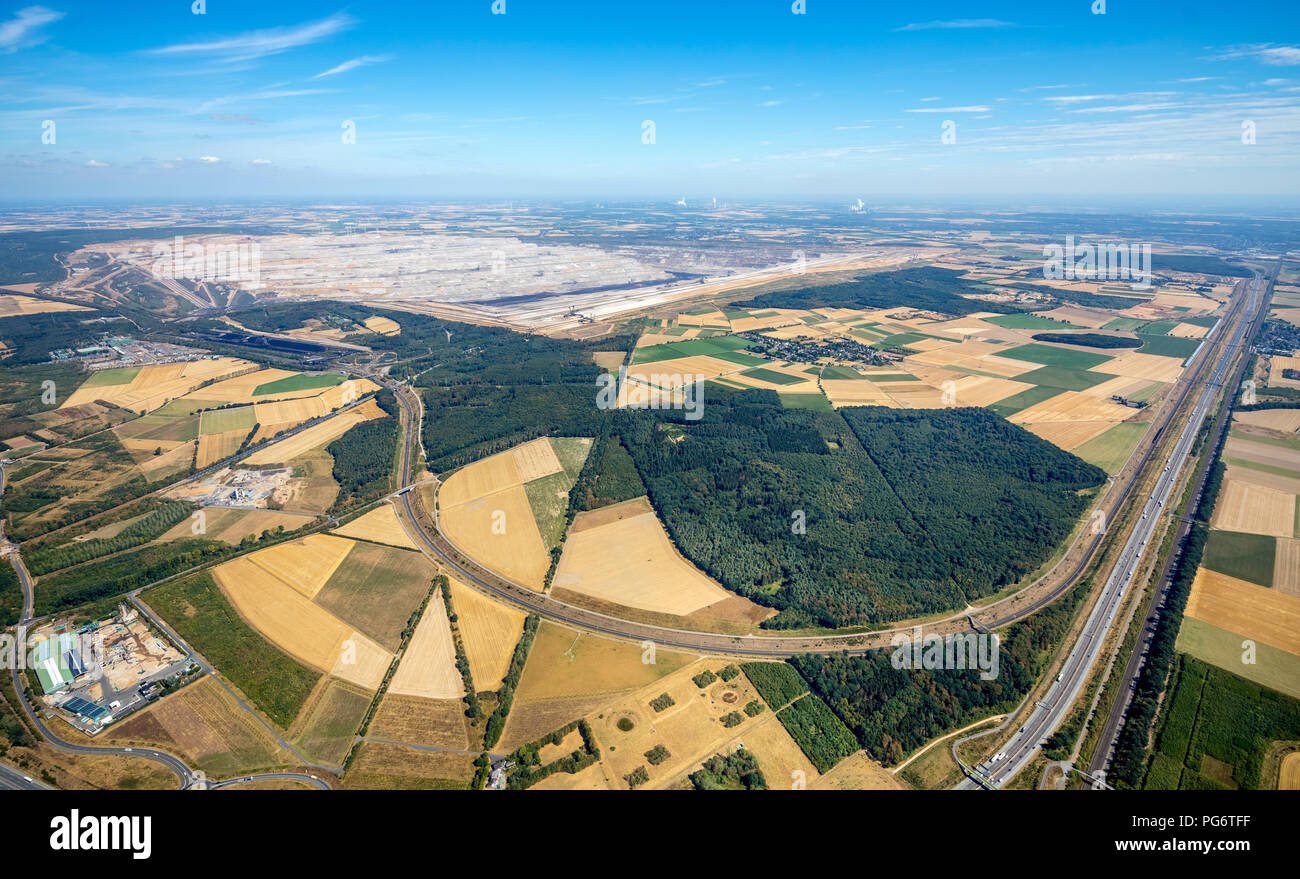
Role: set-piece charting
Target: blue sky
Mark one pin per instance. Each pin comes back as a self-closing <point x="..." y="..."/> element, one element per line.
<point x="748" y="100"/>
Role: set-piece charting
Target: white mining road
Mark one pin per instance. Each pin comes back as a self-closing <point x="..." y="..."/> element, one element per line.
<point x="1050" y="711"/>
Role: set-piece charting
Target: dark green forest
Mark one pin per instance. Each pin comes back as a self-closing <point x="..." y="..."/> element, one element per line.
<point x="364" y="456"/>
<point x="893" y="711"/>
<point x="927" y="288"/>
<point x="915" y="511"/>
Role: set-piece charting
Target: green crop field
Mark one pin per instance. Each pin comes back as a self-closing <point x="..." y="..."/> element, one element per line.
<point x="572" y="453"/>
<point x="1272" y="667"/>
<point x="768" y="375"/>
<point x="222" y="420"/>
<point x="890" y="377"/>
<point x="329" y="729"/>
<point x="841" y="372"/>
<point x="1244" y="556"/>
<point x="1023" y="400"/>
<point x="806" y="401"/>
<point x="1049" y="355"/>
<point x="1029" y="322"/>
<point x="1159" y="327"/>
<point x="200" y="614"/>
<point x="822" y="736"/>
<point x="549" y="499"/>
<point x="300" y="382"/>
<point x="777" y="682"/>
<point x="1218" y="729"/>
<point x="376" y="589"/>
<point x="1111" y="449"/>
<point x="1124" y="324"/>
<point x="714" y="347"/>
<point x="105" y="378"/>
<point x="1063" y="378"/>
<point x="1168" y="346"/>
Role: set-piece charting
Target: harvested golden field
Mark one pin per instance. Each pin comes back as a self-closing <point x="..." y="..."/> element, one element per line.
<point x="610" y="360"/>
<point x="435" y="723"/>
<point x="285" y="414"/>
<point x="1285" y="420"/>
<point x="691" y="729"/>
<point x="535" y="459"/>
<point x="393" y="767"/>
<point x="203" y="724"/>
<point x="569" y="674"/>
<point x="707" y="319"/>
<point x="481" y="478"/>
<point x="858" y="772"/>
<point x="500" y="532"/>
<point x="286" y="450"/>
<point x="489" y="630"/>
<point x="231" y="525"/>
<point x="155" y="467"/>
<point x="428" y="666"/>
<point x="1266" y="615"/>
<point x="384" y="326"/>
<point x="1254" y="509"/>
<point x="305" y="564"/>
<point x="1289" y="774"/>
<point x="591" y="778"/>
<point x="18" y="305"/>
<point x="1278" y="364"/>
<point x="1189" y="331"/>
<point x="855" y="392"/>
<point x="154" y="386"/>
<point x="1072" y="406"/>
<point x="1286" y="566"/>
<point x="1288" y="484"/>
<point x="1069" y="435"/>
<point x="380" y="525"/>
<point x="632" y="562"/>
<point x="1122" y="386"/>
<point x="216" y="447"/>
<point x="779" y="758"/>
<point x="240" y="389"/>
<point x="1147" y="366"/>
<point x="980" y="390"/>
<point x="299" y="627"/>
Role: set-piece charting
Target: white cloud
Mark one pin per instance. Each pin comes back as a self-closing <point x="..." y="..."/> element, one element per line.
<point x="20" y="30"/>
<point x="211" y="160"/>
<point x="269" y="41"/>
<point x="975" y="108"/>
<point x="1268" y="53"/>
<point x="261" y="161"/>
<point x="354" y="63"/>
<point x="955" y="24"/>
<point x="95" y="164"/>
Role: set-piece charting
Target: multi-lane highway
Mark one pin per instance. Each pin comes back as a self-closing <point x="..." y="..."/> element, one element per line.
<point x="1047" y="713"/>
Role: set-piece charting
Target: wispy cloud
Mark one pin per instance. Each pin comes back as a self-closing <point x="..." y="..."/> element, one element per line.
<point x="956" y="24"/>
<point x="1268" y="53"/>
<point x="974" y="108"/>
<point x="354" y="63"/>
<point x="93" y="163"/>
<point x="269" y="41"/>
<point x="23" y="29"/>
